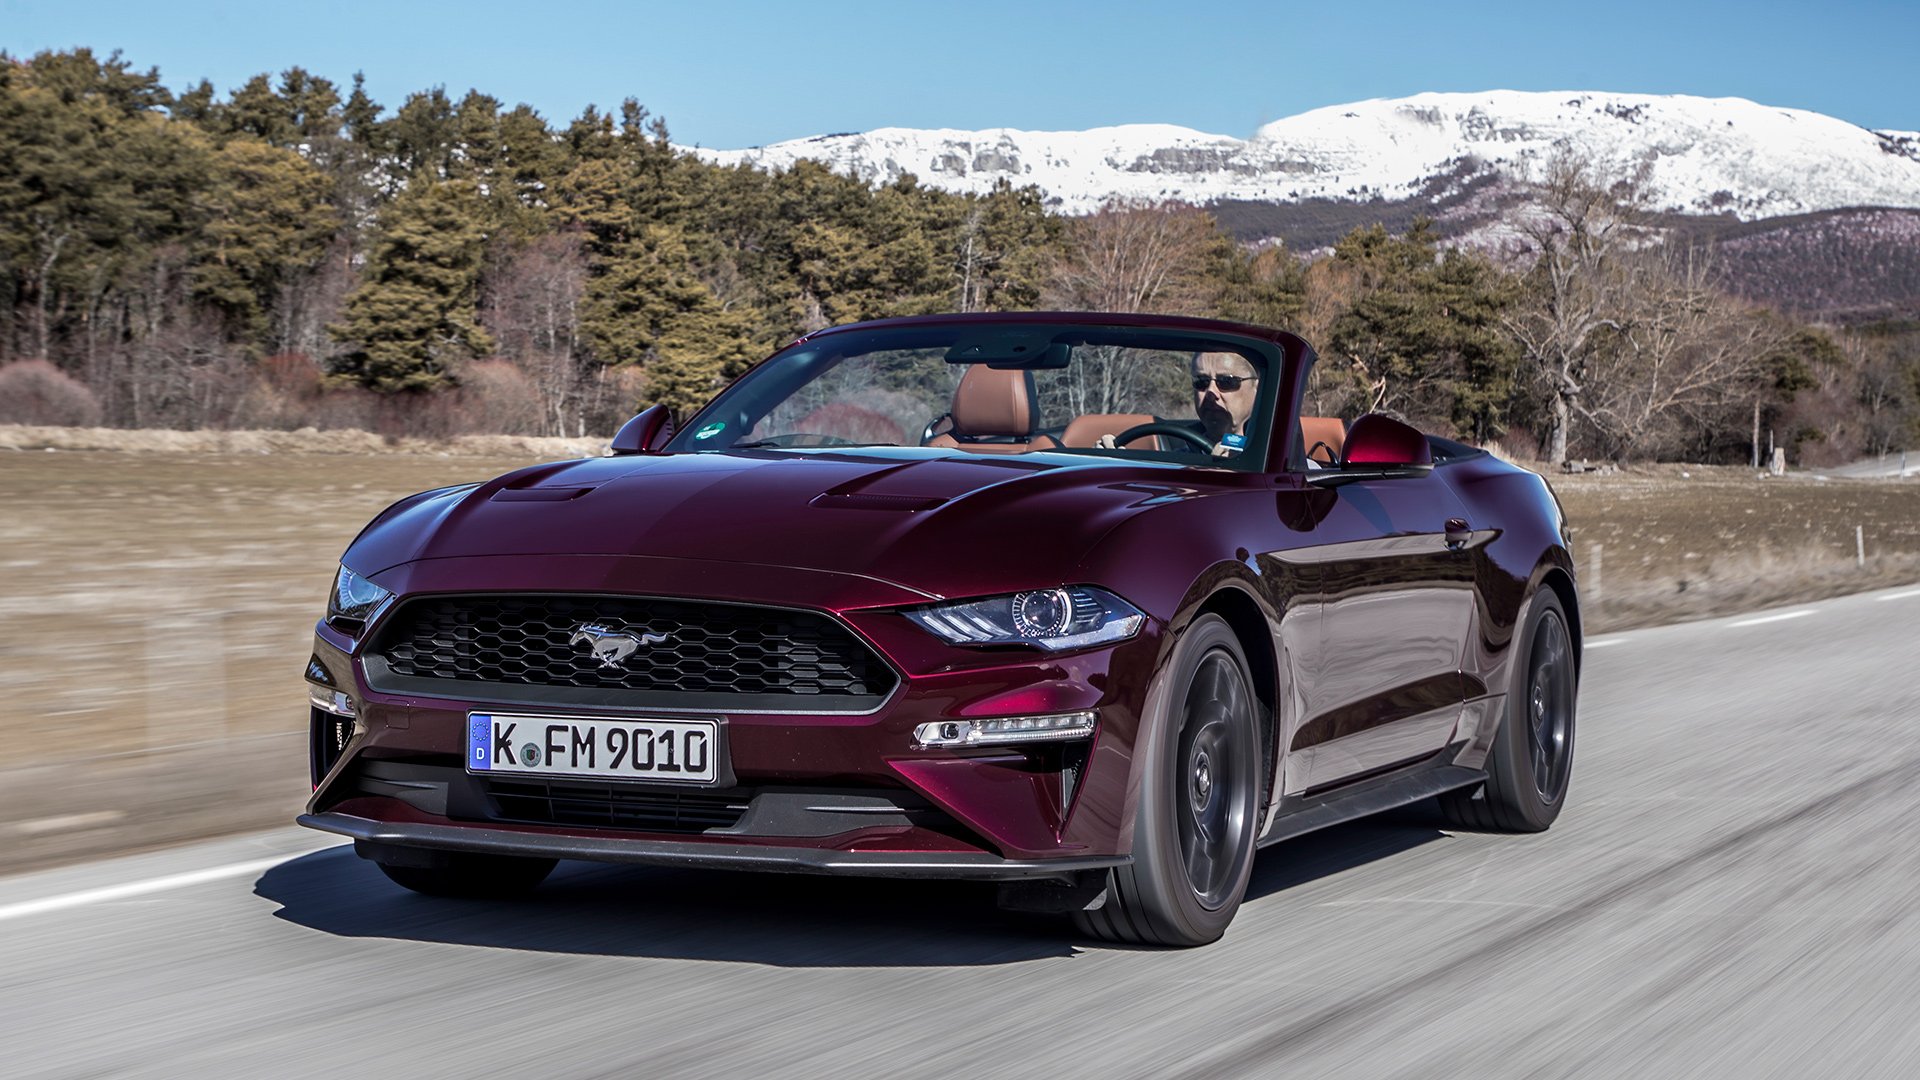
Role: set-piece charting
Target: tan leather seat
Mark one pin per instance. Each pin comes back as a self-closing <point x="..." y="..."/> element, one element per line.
<point x="1322" y="437"/>
<point x="993" y="413"/>
<point x="1087" y="430"/>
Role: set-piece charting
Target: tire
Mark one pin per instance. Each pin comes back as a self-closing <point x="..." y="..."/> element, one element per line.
<point x="466" y="874"/>
<point x="1193" y="831"/>
<point x="1531" y="763"/>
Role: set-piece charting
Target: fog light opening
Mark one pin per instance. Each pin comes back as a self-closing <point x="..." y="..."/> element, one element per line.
<point x="1059" y="727"/>
<point x="330" y="701"/>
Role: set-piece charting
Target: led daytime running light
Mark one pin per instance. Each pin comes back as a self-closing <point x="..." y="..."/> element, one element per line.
<point x="1060" y="727"/>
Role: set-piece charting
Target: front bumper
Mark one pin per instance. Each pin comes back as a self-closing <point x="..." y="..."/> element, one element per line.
<point x="1008" y="812"/>
<point x="978" y="866"/>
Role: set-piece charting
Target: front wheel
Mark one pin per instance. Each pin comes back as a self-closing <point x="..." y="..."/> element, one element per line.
<point x="1531" y="763"/>
<point x="1193" y="833"/>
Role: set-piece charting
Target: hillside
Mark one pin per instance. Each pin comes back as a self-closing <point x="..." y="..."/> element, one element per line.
<point x="1814" y="215"/>
<point x="1706" y="155"/>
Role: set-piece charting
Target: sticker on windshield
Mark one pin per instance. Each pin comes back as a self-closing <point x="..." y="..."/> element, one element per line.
<point x="711" y="430"/>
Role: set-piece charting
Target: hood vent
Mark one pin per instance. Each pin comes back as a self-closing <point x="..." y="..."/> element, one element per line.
<point x="539" y="494"/>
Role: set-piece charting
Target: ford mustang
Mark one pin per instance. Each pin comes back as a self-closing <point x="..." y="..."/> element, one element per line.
<point x="1079" y="604"/>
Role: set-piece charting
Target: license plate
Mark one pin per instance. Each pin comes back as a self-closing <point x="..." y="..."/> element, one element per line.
<point x="627" y="748"/>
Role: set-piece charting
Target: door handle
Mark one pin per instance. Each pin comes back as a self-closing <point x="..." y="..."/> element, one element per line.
<point x="1459" y="534"/>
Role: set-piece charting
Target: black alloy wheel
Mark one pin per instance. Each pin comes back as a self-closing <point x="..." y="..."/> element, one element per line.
<point x="1200" y="792"/>
<point x="1212" y="815"/>
<point x="1531" y="764"/>
<point x="1550" y="708"/>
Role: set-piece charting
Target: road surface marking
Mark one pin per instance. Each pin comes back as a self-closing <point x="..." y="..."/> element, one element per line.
<point x="1771" y="618"/>
<point x="1909" y="594"/>
<point x="140" y="888"/>
<point x="1604" y="642"/>
<point x="66" y="822"/>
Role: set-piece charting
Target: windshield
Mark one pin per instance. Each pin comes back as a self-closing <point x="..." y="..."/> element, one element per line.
<point x="1006" y="389"/>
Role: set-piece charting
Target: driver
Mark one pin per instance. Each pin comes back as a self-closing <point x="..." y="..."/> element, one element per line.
<point x="1224" y="388"/>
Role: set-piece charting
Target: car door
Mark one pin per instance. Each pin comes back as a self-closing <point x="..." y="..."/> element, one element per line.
<point x="1394" y="601"/>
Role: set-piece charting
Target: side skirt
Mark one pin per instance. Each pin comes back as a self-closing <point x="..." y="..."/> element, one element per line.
<point x="1302" y="814"/>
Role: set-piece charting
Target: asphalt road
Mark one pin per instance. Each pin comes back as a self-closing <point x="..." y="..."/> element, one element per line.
<point x="1733" y="891"/>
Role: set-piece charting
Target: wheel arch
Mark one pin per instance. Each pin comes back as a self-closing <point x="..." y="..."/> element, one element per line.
<point x="1556" y="577"/>
<point x="1250" y="625"/>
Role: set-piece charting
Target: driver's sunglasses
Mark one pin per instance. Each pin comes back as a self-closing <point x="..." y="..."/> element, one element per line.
<point x="1228" y="383"/>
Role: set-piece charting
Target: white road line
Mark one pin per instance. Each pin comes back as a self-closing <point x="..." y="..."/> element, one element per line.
<point x="139" y="888"/>
<point x="1908" y="595"/>
<point x="1771" y="618"/>
<point x="1602" y="643"/>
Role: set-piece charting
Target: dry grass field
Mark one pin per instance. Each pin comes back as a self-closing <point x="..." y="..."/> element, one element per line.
<point x="156" y="611"/>
<point x="1671" y="543"/>
<point x="157" y="606"/>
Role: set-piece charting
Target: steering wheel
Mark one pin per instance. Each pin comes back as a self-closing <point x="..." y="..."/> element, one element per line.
<point x="1162" y="427"/>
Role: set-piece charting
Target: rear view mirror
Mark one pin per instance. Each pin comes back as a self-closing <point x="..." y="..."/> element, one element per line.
<point x="1378" y="447"/>
<point x="646" y="433"/>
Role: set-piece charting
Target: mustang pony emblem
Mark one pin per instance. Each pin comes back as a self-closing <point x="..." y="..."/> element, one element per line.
<point x="611" y="647"/>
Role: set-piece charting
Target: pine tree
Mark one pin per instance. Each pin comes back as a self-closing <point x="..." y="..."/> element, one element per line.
<point x="1425" y="333"/>
<point x="411" y="320"/>
<point x="1265" y="287"/>
<point x="702" y="350"/>
<point x="268" y="220"/>
<point x="637" y="290"/>
<point x="361" y="114"/>
<point x="422" y="135"/>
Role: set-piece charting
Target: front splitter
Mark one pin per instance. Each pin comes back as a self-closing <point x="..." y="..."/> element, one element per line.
<point x="766" y="859"/>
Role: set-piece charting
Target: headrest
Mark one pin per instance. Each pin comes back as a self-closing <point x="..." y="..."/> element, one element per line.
<point x="993" y="402"/>
<point x="1315" y="430"/>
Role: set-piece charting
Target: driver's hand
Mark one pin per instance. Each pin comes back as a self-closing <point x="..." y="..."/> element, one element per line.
<point x="1105" y="442"/>
<point x="1221" y="449"/>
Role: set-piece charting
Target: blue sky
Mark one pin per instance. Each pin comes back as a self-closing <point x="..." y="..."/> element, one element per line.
<point x="729" y="74"/>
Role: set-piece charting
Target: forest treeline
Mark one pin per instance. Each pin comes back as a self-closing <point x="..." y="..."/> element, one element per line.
<point x="291" y="253"/>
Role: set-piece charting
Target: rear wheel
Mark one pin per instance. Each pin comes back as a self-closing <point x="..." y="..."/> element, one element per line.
<point x="1194" y="824"/>
<point x="1532" y="759"/>
<point x="463" y="873"/>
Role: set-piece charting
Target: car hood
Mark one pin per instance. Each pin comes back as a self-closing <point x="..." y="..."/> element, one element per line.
<point x="944" y="523"/>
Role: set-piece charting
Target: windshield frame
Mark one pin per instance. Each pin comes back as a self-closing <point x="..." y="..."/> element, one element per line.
<point x="1271" y="358"/>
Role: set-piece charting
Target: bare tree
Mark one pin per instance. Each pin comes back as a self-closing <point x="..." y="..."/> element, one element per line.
<point x="1681" y="353"/>
<point x="1130" y="256"/>
<point x="532" y="308"/>
<point x="1134" y="256"/>
<point x="1576" y="236"/>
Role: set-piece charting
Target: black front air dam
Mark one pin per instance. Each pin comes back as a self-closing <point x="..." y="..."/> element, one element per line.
<point x="791" y="860"/>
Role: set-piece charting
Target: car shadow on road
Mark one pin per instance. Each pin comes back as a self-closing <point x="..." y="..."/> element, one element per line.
<point x="603" y="910"/>
<point x="775" y="919"/>
<point x="1301" y="861"/>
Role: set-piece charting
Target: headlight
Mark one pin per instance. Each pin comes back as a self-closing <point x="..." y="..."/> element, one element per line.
<point x="353" y="601"/>
<point x="1069" y="617"/>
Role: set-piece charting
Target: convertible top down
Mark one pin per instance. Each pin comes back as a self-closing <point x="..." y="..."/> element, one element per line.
<point x="1078" y="603"/>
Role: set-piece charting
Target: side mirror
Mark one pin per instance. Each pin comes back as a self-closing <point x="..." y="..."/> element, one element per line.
<point x="646" y="433"/>
<point x="1378" y="447"/>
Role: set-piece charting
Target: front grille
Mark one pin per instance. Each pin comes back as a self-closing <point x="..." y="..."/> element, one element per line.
<point x="690" y="647"/>
<point x="618" y="806"/>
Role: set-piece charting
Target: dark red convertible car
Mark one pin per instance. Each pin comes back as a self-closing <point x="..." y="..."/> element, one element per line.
<point x="1076" y="603"/>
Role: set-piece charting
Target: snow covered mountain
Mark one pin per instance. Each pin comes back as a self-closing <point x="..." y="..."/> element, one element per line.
<point x="1706" y="155"/>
